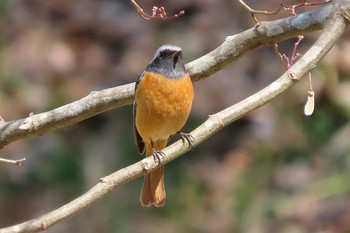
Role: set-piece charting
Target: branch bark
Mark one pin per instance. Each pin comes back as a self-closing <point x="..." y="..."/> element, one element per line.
<point x="333" y="29"/>
<point x="234" y="47"/>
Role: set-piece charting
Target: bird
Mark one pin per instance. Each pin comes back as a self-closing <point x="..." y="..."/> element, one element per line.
<point x="162" y="104"/>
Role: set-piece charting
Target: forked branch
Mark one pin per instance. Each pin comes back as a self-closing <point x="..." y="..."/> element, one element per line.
<point x="283" y="6"/>
<point x="157" y="13"/>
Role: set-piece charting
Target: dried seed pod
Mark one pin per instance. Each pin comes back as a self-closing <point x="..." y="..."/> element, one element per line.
<point x="310" y="103"/>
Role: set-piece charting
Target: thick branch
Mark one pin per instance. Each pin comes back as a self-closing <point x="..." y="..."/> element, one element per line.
<point x="91" y="105"/>
<point x="331" y="33"/>
<point x="234" y="47"/>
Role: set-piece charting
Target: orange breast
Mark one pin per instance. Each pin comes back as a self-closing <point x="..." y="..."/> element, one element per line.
<point x="163" y="105"/>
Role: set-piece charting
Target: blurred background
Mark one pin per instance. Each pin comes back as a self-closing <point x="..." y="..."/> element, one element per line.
<point x="275" y="170"/>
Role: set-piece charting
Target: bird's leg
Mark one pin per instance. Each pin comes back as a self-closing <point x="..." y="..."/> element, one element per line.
<point x="157" y="154"/>
<point x="186" y="137"/>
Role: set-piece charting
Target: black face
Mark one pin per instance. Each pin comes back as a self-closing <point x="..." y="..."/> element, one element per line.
<point x="168" y="62"/>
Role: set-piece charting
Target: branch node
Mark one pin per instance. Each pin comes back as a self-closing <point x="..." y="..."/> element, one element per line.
<point x="19" y="162"/>
<point x="145" y="165"/>
<point x="108" y="183"/>
<point x="103" y="180"/>
<point x="292" y="76"/>
<point x="44" y="226"/>
<point x="26" y="126"/>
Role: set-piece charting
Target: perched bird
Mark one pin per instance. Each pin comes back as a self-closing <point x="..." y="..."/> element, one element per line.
<point x="163" y="100"/>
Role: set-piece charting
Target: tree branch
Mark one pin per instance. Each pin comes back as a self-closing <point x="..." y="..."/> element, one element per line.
<point x="331" y="33"/>
<point x="234" y="47"/>
<point x="91" y="105"/>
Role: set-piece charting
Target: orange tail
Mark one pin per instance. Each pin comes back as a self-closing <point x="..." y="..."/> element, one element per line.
<point x="153" y="191"/>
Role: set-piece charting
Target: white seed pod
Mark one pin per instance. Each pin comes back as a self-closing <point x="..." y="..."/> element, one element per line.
<point x="310" y="103"/>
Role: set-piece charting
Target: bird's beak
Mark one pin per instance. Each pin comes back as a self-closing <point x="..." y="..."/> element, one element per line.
<point x="176" y="54"/>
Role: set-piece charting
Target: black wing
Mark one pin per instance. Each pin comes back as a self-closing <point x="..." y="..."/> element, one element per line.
<point x="138" y="139"/>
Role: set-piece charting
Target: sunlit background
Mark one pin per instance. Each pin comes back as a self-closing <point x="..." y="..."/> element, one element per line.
<point x="274" y="170"/>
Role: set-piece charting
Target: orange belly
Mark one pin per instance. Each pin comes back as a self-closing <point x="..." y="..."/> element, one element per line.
<point x="163" y="106"/>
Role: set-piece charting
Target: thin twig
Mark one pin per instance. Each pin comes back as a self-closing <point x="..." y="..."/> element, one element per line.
<point x="294" y="54"/>
<point x="280" y="56"/>
<point x="253" y="12"/>
<point x="290" y="8"/>
<point x="157" y="13"/>
<point x="332" y="32"/>
<point x="10" y="161"/>
<point x="286" y="61"/>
